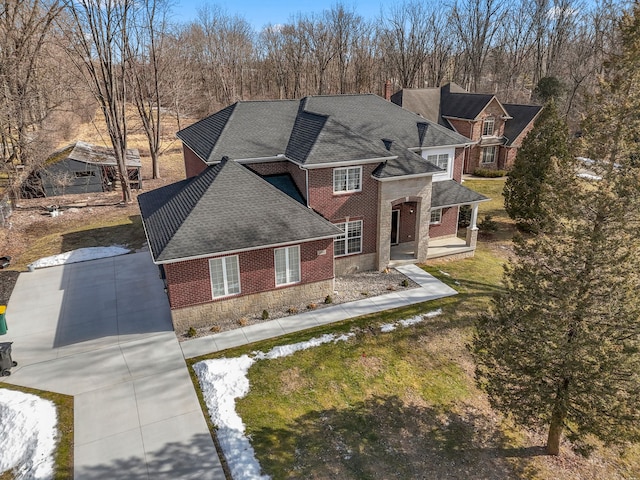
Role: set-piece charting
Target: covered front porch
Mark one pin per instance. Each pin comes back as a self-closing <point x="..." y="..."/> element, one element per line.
<point x="404" y="254"/>
<point x="446" y="232"/>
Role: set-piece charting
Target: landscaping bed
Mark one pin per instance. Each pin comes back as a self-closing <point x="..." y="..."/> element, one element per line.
<point x="348" y="288"/>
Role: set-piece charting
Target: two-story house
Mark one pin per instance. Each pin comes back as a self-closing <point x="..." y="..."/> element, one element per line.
<point x="283" y="195"/>
<point x="496" y="129"/>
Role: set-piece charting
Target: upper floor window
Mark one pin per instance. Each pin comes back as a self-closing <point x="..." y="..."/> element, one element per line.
<point x="287" y="262"/>
<point x="225" y="276"/>
<point x="347" y="179"/>
<point x="441" y="160"/>
<point x="488" y="126"/>
<point x="436" y="216"/>
<point x="350" y="241"/>
<point x="489" y="154"/>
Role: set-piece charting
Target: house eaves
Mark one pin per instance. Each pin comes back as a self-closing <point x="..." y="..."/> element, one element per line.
<point x="347" y="163"/>
<point x="249" y="249"/>
<point x="403" y="177"/>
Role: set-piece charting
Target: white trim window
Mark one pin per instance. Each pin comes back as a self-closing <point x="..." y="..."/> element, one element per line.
<point x="225" y="276"/>
<point x="346" y="180"/>
<point x="488" y="126"/>
<point x="436" y="216"/>
<point x="489" y="154"/>
<point x="287" y="262"/>
<point x="350" y="242"/>
<point x="441" y="160"/>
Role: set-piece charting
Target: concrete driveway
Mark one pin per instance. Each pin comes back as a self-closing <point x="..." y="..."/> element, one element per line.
<point x="101" y="331"/>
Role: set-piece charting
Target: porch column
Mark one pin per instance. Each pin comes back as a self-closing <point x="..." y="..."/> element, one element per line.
<point x="384" y="234"/>
<point x="422" y="241"/>
<point x="472" y="229"/>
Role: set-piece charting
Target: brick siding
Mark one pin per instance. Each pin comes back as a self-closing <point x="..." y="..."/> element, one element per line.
<point x="448" y="225"/>
<point x="193" y="165"/>
<point x="463" y="127"/>
<point x="189" y="283"/>
<point x="458" y="164"/>
<point x="408" y="215"/>
<point x="336" y="208"/>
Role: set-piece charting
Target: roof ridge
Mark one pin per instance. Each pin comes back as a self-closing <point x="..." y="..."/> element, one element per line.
<point x="184" y="209"/>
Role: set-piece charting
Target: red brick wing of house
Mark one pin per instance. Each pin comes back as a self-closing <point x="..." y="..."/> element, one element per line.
<point x="496" y="130"/>
<point x="281" y="196"/>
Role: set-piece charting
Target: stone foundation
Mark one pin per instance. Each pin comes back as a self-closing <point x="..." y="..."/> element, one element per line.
<point x="232" y="309"/>
<point x="355" y="264"/>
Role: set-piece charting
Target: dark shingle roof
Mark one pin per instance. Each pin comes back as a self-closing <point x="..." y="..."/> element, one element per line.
<point x="463" y="105"/>
<point x="253" y="129"/>
<point x="202" y="136"/>
<point x="375" y="118"/>
<point x="315" y="130"/>
<point x="522" y="115"/>
<point x="286" y="185"/>
<point x="406" y="163"/>
<point x="319" y="139"/>
<point x="450" y="192"/>
<point x="225" y="208"/>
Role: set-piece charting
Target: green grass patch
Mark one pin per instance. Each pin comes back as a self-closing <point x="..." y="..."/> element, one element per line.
<point x="63" y="468"/>
<point x="125" y="230"/>
<point x="376" y="403"/>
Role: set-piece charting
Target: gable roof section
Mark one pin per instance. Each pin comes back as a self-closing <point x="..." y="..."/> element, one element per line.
<point x="404" y="163"/>
<point x="251" y="129"/>
<point x="522" y="116"/>
<point x="226" y="208"/>
<point x="202" y="136"/>
<point x="463" y="105"/>
<point x="319" y="139"/>
<point x="375" y="118"/>
<point x="449" y="192"/>
<point x="421" y="101"/>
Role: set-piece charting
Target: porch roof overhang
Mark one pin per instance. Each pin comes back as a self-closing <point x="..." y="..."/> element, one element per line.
<point x="449" y="193"/>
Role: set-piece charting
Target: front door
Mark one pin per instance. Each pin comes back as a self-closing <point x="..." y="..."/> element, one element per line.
<point x="395" y="227"/>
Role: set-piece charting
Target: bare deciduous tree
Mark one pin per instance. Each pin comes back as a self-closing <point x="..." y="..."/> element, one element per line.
<point x="99" y="47"/>
<point x="404" y="37"/>
<point x="147" y="62"/>
<point x="476" y="23"/>
<point x="27" y="93"/>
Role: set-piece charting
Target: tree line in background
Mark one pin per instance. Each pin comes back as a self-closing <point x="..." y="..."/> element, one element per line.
<point x="58" y="58"/>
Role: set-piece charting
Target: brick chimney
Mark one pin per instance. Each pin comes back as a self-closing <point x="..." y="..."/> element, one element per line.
<point x="387" y="90"/>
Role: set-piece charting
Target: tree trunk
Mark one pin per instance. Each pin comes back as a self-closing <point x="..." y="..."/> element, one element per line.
<point x="155" y="165"/>
<point x="555" y="433"/>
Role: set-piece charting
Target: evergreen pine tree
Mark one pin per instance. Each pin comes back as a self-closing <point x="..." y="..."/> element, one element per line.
<point x="548" y="138"/>
<point x="561" y="346"/>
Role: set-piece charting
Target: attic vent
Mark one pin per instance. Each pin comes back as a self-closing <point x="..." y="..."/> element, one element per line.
<point x="387" y="143"/>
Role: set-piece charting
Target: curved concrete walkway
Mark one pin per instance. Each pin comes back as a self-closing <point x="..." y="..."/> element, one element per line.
<point x="101" y="331"/>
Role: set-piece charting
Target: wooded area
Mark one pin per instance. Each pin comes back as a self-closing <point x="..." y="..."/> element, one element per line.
<point x="58" y="58"/>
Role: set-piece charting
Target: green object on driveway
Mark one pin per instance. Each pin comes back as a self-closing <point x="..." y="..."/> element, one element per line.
<point x="3" y="320"/>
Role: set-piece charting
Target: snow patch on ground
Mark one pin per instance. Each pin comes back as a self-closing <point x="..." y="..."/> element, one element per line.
<point x="28" y="432"/>
<point x="222" y="381"/>
<point x="79" y="255"/>
<point x="589" y="176"/>
<point x="390" y="327"/>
